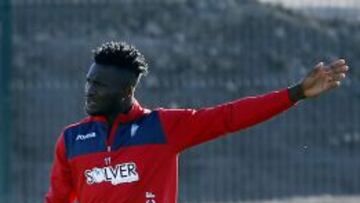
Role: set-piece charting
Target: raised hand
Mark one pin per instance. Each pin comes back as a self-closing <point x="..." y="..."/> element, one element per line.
<point x="324" y="78"/>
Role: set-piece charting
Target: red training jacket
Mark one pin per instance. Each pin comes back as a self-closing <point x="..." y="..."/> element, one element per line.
<point x="136" y="159"/>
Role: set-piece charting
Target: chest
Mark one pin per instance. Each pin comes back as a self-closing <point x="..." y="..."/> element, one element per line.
<point x="98" y="137"/>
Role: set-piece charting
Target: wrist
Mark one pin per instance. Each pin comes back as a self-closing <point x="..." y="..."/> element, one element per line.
<point x="296" y="93"/>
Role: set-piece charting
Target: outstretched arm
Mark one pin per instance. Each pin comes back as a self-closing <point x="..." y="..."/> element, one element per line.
<point x="188" y="127"/>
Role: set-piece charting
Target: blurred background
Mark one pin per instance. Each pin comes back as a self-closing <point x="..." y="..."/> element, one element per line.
<point x="201" y="53"/>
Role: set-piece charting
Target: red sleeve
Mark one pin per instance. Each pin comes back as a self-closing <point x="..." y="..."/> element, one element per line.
<point x="61" y="189"/>
<point x="188" y="127"/>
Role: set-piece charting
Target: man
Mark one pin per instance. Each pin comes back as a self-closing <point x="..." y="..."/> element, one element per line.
<point x="123" y="153"/>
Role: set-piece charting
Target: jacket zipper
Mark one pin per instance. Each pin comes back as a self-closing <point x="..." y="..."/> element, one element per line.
<point x="111" y="136"/>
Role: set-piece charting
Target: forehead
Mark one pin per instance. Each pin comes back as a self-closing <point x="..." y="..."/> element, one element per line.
<point x="109" y="74"/>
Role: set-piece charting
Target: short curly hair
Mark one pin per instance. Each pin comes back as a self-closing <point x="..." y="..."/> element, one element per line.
<point x="122" y="55"/>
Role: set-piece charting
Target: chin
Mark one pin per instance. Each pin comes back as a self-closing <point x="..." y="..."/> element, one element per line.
<point x="92" y="112"/>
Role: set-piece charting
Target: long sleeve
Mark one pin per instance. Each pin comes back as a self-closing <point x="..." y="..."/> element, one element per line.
<point x="61" y="189"/>
<point x="188" y="127"/>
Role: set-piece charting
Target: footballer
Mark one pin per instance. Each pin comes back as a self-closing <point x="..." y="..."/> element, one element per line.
<point x="125" y="153"/>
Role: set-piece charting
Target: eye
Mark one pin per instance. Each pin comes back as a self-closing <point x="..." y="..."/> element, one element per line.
<point x="95" y="83"/>
<point x="99" y="84"/>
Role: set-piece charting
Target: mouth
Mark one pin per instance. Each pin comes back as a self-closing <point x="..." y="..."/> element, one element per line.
<point x="91" y="107"/>
<point x="90" y="103"/>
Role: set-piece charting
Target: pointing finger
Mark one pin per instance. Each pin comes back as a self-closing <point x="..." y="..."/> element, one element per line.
<point x="338" y="77"/>
<point x="337" y="63"/>
<point x="340" y="69"/>
<point x="335" y="84"/>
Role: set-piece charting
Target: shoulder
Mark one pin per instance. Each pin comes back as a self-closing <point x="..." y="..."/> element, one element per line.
<point x="85" y="120"/>
<point x="82" y="127"/>
<point x="166" y="114"/>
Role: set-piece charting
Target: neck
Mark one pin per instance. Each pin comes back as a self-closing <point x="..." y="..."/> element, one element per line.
<point x="124" y="109"/>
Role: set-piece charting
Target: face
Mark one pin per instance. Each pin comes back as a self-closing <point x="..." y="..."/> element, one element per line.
<point x="106" y="90"/>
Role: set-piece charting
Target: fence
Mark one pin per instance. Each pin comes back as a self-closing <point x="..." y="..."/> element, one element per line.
<point x="5" y="61"/>
<point x="201" y="53"/>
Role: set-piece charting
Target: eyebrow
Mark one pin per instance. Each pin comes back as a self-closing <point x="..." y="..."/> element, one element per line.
<point x="94" y="80"/>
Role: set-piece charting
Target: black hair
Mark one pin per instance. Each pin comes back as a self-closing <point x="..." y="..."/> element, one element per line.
<point x="122" y="55"/>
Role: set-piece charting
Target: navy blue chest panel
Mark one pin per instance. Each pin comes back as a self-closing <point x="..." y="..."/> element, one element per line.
<point x="91" y="137"/>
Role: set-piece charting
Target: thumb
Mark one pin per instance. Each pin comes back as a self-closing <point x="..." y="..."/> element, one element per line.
<point x="316" y="69"/>
<point x="319" y="66"/>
